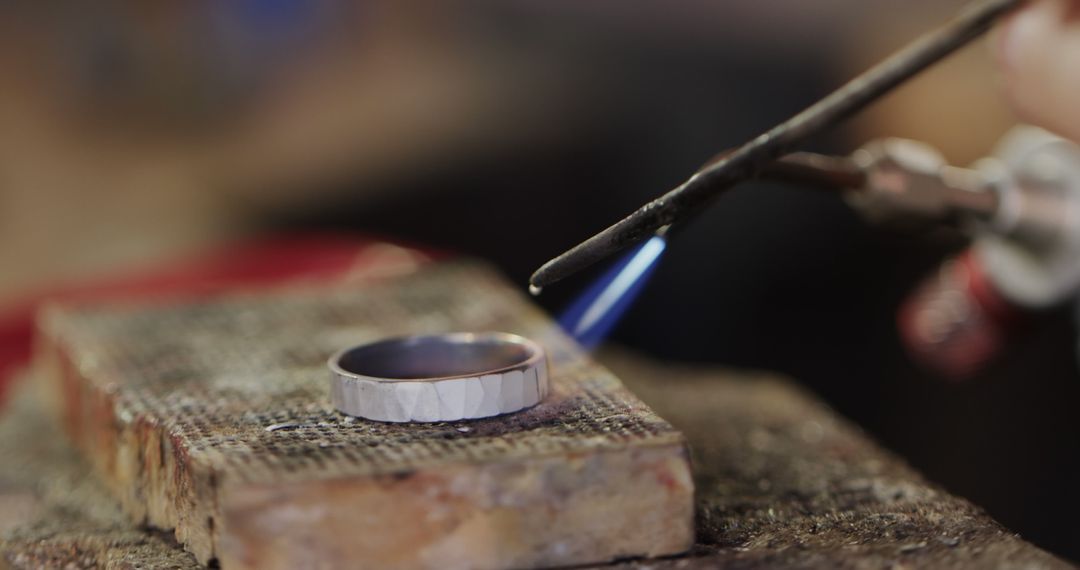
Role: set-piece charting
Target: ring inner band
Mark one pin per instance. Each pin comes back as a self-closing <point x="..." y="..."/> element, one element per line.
<point x="435" y="357"/>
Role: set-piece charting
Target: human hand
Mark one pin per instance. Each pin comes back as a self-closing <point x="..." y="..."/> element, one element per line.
<point x="1038" y="53"/>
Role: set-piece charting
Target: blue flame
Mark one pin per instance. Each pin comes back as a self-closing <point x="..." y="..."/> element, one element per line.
<point x="591" y="317"/>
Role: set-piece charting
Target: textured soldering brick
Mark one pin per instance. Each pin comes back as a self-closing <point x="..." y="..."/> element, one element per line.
<point x="202" y="415"/>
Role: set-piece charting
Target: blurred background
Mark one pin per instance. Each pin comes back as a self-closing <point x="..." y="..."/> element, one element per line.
<point x="137" y="133"/>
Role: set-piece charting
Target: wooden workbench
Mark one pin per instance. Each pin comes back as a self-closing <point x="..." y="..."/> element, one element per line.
<point x="780" y="480"/>
<point x="782" y="483"/>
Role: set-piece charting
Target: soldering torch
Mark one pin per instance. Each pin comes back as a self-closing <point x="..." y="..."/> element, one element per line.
<point x="1021" y="206"/>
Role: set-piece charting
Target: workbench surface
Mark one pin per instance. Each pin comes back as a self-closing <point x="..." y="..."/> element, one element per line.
<point x="782" y="482"/>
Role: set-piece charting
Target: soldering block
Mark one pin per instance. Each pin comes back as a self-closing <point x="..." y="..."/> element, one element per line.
<point x="211" y="417"/>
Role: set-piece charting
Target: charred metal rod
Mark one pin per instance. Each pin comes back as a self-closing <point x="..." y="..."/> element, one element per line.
<point x="747" y="161"/>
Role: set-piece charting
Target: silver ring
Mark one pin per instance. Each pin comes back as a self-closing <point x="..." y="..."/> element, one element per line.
<point x="439" y="378"/>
